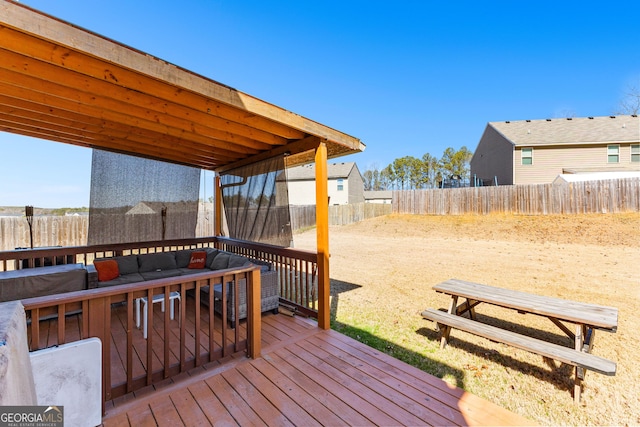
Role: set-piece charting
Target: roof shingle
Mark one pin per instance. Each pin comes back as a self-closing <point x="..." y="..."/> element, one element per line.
<point x="570" y="131"/>
<point x="308" y="172"/>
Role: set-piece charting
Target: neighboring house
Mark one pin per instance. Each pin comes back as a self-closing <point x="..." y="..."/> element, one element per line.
<point x="146" y="208"/>
<point x="537" y="151"/>
<point x="155" y="208"/>
<point x="345" y="184"/>
<point x="382" y="197"/>
<point x="567" y="178"/>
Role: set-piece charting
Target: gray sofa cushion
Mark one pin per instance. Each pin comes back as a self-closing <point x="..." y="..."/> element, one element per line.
<point x="154" y="262"/>
<point x="152" y="275"/>
<point x="36" y="282"/>
<point x="182" y="258"/>
<point x="127" y="264"/>
<point x="122" y="280"/>
<point x="221" y="261"/>
<point x="236" y="261"/>
<point x="211" y="254"/>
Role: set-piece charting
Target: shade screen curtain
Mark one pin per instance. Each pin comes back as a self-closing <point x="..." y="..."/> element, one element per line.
<point x="136" y="200"/>
<point x="256" y="205"/>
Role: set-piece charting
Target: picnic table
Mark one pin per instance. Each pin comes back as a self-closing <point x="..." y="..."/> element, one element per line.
<point x="586" y="318"/>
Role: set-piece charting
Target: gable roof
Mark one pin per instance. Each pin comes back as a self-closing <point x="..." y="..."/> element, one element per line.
<point x="378" y="194"/>
<point x="308" y="172"/>
<point x="62" y="83"/>
<point x="570" y="131"/>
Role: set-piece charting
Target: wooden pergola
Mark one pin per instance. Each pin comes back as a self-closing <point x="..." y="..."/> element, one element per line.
<point x="63" y="83"/>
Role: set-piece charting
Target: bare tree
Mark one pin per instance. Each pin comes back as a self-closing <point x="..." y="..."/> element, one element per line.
<point x="630" y="104"/>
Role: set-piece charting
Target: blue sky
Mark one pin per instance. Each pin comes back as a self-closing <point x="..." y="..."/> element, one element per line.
<point x="406" y="77"/>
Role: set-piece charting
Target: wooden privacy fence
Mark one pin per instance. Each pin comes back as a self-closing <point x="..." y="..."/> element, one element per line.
<point x="606" y="196"/>
<point x="305" y="216"/>
<point x="47" y="231"/>
<point x="52" y="230"/>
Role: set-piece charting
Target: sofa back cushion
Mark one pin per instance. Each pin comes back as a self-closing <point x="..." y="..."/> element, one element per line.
<point x="211" y="254"/>
<point x="221" y="261"/>
<point x="154" y="262"/>
<point x="127" y="264"/>
<point x="107" y="269"/>
<point x="183" y="257"/>
<point x="236" y="261"/>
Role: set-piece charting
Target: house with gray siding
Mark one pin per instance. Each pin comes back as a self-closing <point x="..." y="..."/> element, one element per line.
<point x="383" y="197"/>
<point x="345" y="184"/>
<point x="537" y="151"/>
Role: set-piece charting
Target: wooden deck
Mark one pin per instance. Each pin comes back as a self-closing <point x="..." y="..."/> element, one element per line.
<point x="306" y="376"/>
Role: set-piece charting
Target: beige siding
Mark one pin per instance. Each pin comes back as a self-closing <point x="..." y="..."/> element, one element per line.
<point x="338" y="197"/>
<point x="303" y="192"/>
<point x="493" y="158"/>
<point x="549" y="162"/>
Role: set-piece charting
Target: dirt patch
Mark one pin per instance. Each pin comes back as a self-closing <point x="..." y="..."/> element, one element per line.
<point x="382" y="271"/>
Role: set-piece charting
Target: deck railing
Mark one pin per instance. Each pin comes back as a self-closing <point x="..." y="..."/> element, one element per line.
<point x="131" y="362"/>
<point x="196" y="337"/>
<point x="297" y="269"/>
<point x="39" y="257"/>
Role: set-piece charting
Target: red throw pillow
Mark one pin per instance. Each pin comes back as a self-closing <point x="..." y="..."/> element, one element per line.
<point x="198" y="259"/>
<point x="107" y="270"/>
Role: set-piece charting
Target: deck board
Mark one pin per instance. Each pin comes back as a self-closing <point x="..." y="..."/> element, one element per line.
<point x="210" y="405"/>
<point x="296" y="392"/>
<point x="233" y="403"/>
<point x="307" y="376"/>
<point x="365" y="400"/>
<point x="188" y="408"/>
<point x="378" y="380"/>
<point x="315" y="391"/>
<point x="283" y="403"/>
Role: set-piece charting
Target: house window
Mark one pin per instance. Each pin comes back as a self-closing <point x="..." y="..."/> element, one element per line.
<point x="527" y="156"/>
<point x="635" y="153"/>
<point x="340" y="184"/>
<point x="613" y="154"/>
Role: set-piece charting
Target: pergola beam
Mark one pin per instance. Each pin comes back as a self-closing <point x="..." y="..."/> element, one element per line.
<point x="63" y="83"/>
<point x="56" y="64"/>
<point x="322" y="237"/>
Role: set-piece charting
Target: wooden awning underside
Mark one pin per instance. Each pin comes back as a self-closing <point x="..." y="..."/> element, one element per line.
<point x="62" y="83"/>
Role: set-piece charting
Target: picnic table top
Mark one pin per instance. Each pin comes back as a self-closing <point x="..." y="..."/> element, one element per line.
<point x="597" y="316"/>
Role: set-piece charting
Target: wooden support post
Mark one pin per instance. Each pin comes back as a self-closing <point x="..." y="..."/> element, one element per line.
<point x="254" y="315"/>
<point x="99" y="325"/>
<point x="322" y="230"/>
<point x="218" y="207"/>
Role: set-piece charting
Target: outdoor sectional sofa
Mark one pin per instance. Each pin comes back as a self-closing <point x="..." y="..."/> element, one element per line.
<point x="41" y="281"/>
<point x="139" y="268"/>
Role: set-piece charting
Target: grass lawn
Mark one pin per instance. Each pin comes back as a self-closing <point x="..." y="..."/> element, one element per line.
<point x="382" y="271"/>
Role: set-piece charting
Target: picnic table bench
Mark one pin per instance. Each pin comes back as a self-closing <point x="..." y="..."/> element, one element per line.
<point x="587" y="318"/>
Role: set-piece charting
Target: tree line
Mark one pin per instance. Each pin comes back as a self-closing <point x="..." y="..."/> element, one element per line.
<point x="409" y="173"/>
